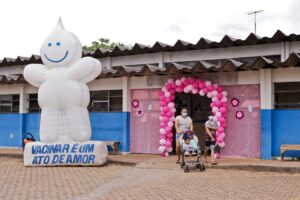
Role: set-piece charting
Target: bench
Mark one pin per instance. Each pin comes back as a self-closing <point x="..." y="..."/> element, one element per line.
<point x="114" y="145"/>
<point x="287" y="147"/>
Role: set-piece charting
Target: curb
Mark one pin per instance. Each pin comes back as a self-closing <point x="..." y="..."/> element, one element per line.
<point x="257" y="168"/>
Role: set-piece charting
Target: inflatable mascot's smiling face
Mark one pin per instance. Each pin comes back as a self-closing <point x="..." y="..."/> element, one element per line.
<point x="61" y="48"/>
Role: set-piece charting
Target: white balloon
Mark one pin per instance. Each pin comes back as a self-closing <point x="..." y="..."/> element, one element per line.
<point x="162" y="141"/>
<point x="190" y="87"/>
<point x="202" y="93"/>
<point x="169" y="149"/>
<point x="216" y="118"/>
<point x="224" y="93"/>
<point x="214" y="93"/>
<point x="214" y="99"/>
<point x="178" y="82"/>
<point x="162" y="131"/>
<point x="223" y="135"/>
<point x="207" y="83"/>
<point x="215" y="109"/>
<point x="218" y="114"/>
<point x="171" y="80"/>
<point x="171" y="105"/>
<point x="194" y="91"/>
<point x="183" y="79"/>
<point x="215" y="86"/>
<point x="222" y="144"/>
<point x="173" y="110"/>
<point x="63" y="94"/>
<point x="167" y="94"/>
<point x="224" y="99"/>
<point x="171" y="124"/>
<point x="186" y="90"/>
<point x="161" y="149"/>
<point x="209" y="95"/>
<point x="164" y="89"/>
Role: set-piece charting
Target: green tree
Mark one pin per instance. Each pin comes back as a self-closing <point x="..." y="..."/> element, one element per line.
<point x="104" y="43"/>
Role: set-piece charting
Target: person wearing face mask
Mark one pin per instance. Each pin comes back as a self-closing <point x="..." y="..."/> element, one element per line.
<point x="211" y="127"/>
<point x="182" y="123"/>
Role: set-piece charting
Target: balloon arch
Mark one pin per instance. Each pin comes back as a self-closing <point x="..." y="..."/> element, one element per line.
<point x="194" y="86"/>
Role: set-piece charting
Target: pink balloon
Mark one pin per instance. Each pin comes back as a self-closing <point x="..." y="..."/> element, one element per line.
<point x="168" y="129"/>
<point x="163" y="136"/>
<point x="211" y="88"/>
<point x="205" y="90"/>
<point x="221" y="129"/>
<point x="168" y="143"/>
<point x="170" y="114"/>
<point x="165" y="119"/>
<point x="220" y="89"/>
<point x="179" y="89"/>
<point x="222" y="110"/>
<point x="218" y="103"/>
<point x="219" y="140"/>
<point x="167" y="100"/>
<point x="222" y="120"/>
<point x="201" y="85"/>
<point x="186" y="82"/>
<point x="169" y="87"/>
<point x="212" y="104"/>
<point x="166" y="109"/>
<point x="195" y="85"/>
<point x="172" y="92"/>
<point x="163" y="103"/>
<point x="163" y="125"/>
<point x="170" y="135"/>
<point x="220" y="96"/>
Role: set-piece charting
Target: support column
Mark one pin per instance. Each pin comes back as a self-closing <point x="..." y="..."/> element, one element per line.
<point x="23" y="108"/>
<point x="267" y="102"/>
<point x="24" y="104"/>
<point x="126" y="104"/>
<point x="161" y="60"/>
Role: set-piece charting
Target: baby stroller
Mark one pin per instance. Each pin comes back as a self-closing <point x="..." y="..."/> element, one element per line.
<point x="198" y="163"/>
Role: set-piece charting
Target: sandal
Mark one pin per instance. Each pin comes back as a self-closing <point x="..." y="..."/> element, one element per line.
<point x="178" y="162"/>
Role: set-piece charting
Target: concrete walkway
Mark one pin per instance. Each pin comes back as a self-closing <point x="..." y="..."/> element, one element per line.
<point x="156" y="161"/>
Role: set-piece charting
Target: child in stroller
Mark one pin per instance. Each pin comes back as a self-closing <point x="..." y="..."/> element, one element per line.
<point x="189" y="147"/>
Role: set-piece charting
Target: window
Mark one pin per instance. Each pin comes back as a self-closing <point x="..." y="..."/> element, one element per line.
<point x="9" y="103"/>
<point x="105" y="101"/>
<point x="287" y="95"/>
<point x="33" y="103"/>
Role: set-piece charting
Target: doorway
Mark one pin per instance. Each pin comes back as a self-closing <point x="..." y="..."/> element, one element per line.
<point x="198" y="109"/>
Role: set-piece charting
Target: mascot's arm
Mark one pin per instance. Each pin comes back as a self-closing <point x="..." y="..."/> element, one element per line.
<point x="85" y="70"/>
<point x="35" y="74"/>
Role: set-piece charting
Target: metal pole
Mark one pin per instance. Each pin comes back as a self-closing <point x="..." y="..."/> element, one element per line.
<point x="254" y="13"/>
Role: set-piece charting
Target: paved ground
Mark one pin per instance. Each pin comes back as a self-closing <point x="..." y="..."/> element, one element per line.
<point x="151" y="178"/>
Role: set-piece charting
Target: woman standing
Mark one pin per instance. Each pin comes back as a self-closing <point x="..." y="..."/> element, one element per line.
<point x="182" y="123"/>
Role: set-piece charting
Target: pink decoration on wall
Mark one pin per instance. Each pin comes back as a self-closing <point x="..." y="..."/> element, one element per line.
<point x="235" y="102"/>
<point x="239" y="114"/>
<point x="190" y="85"/>
<point x="135" y="103"/>
<point x="139" y="112"/>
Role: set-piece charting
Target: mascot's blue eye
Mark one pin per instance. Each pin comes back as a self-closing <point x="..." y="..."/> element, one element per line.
<point x="57" y="43"/>
<point x="49" y="44"/>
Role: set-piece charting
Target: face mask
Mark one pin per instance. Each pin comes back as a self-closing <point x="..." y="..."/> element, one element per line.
<point x="184" y="114"/>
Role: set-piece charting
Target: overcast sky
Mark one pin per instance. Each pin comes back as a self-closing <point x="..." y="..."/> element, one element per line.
<point x="25" y="23"/>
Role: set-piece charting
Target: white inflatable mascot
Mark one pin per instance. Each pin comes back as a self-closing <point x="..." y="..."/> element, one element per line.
<point x="63" y="97"/>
